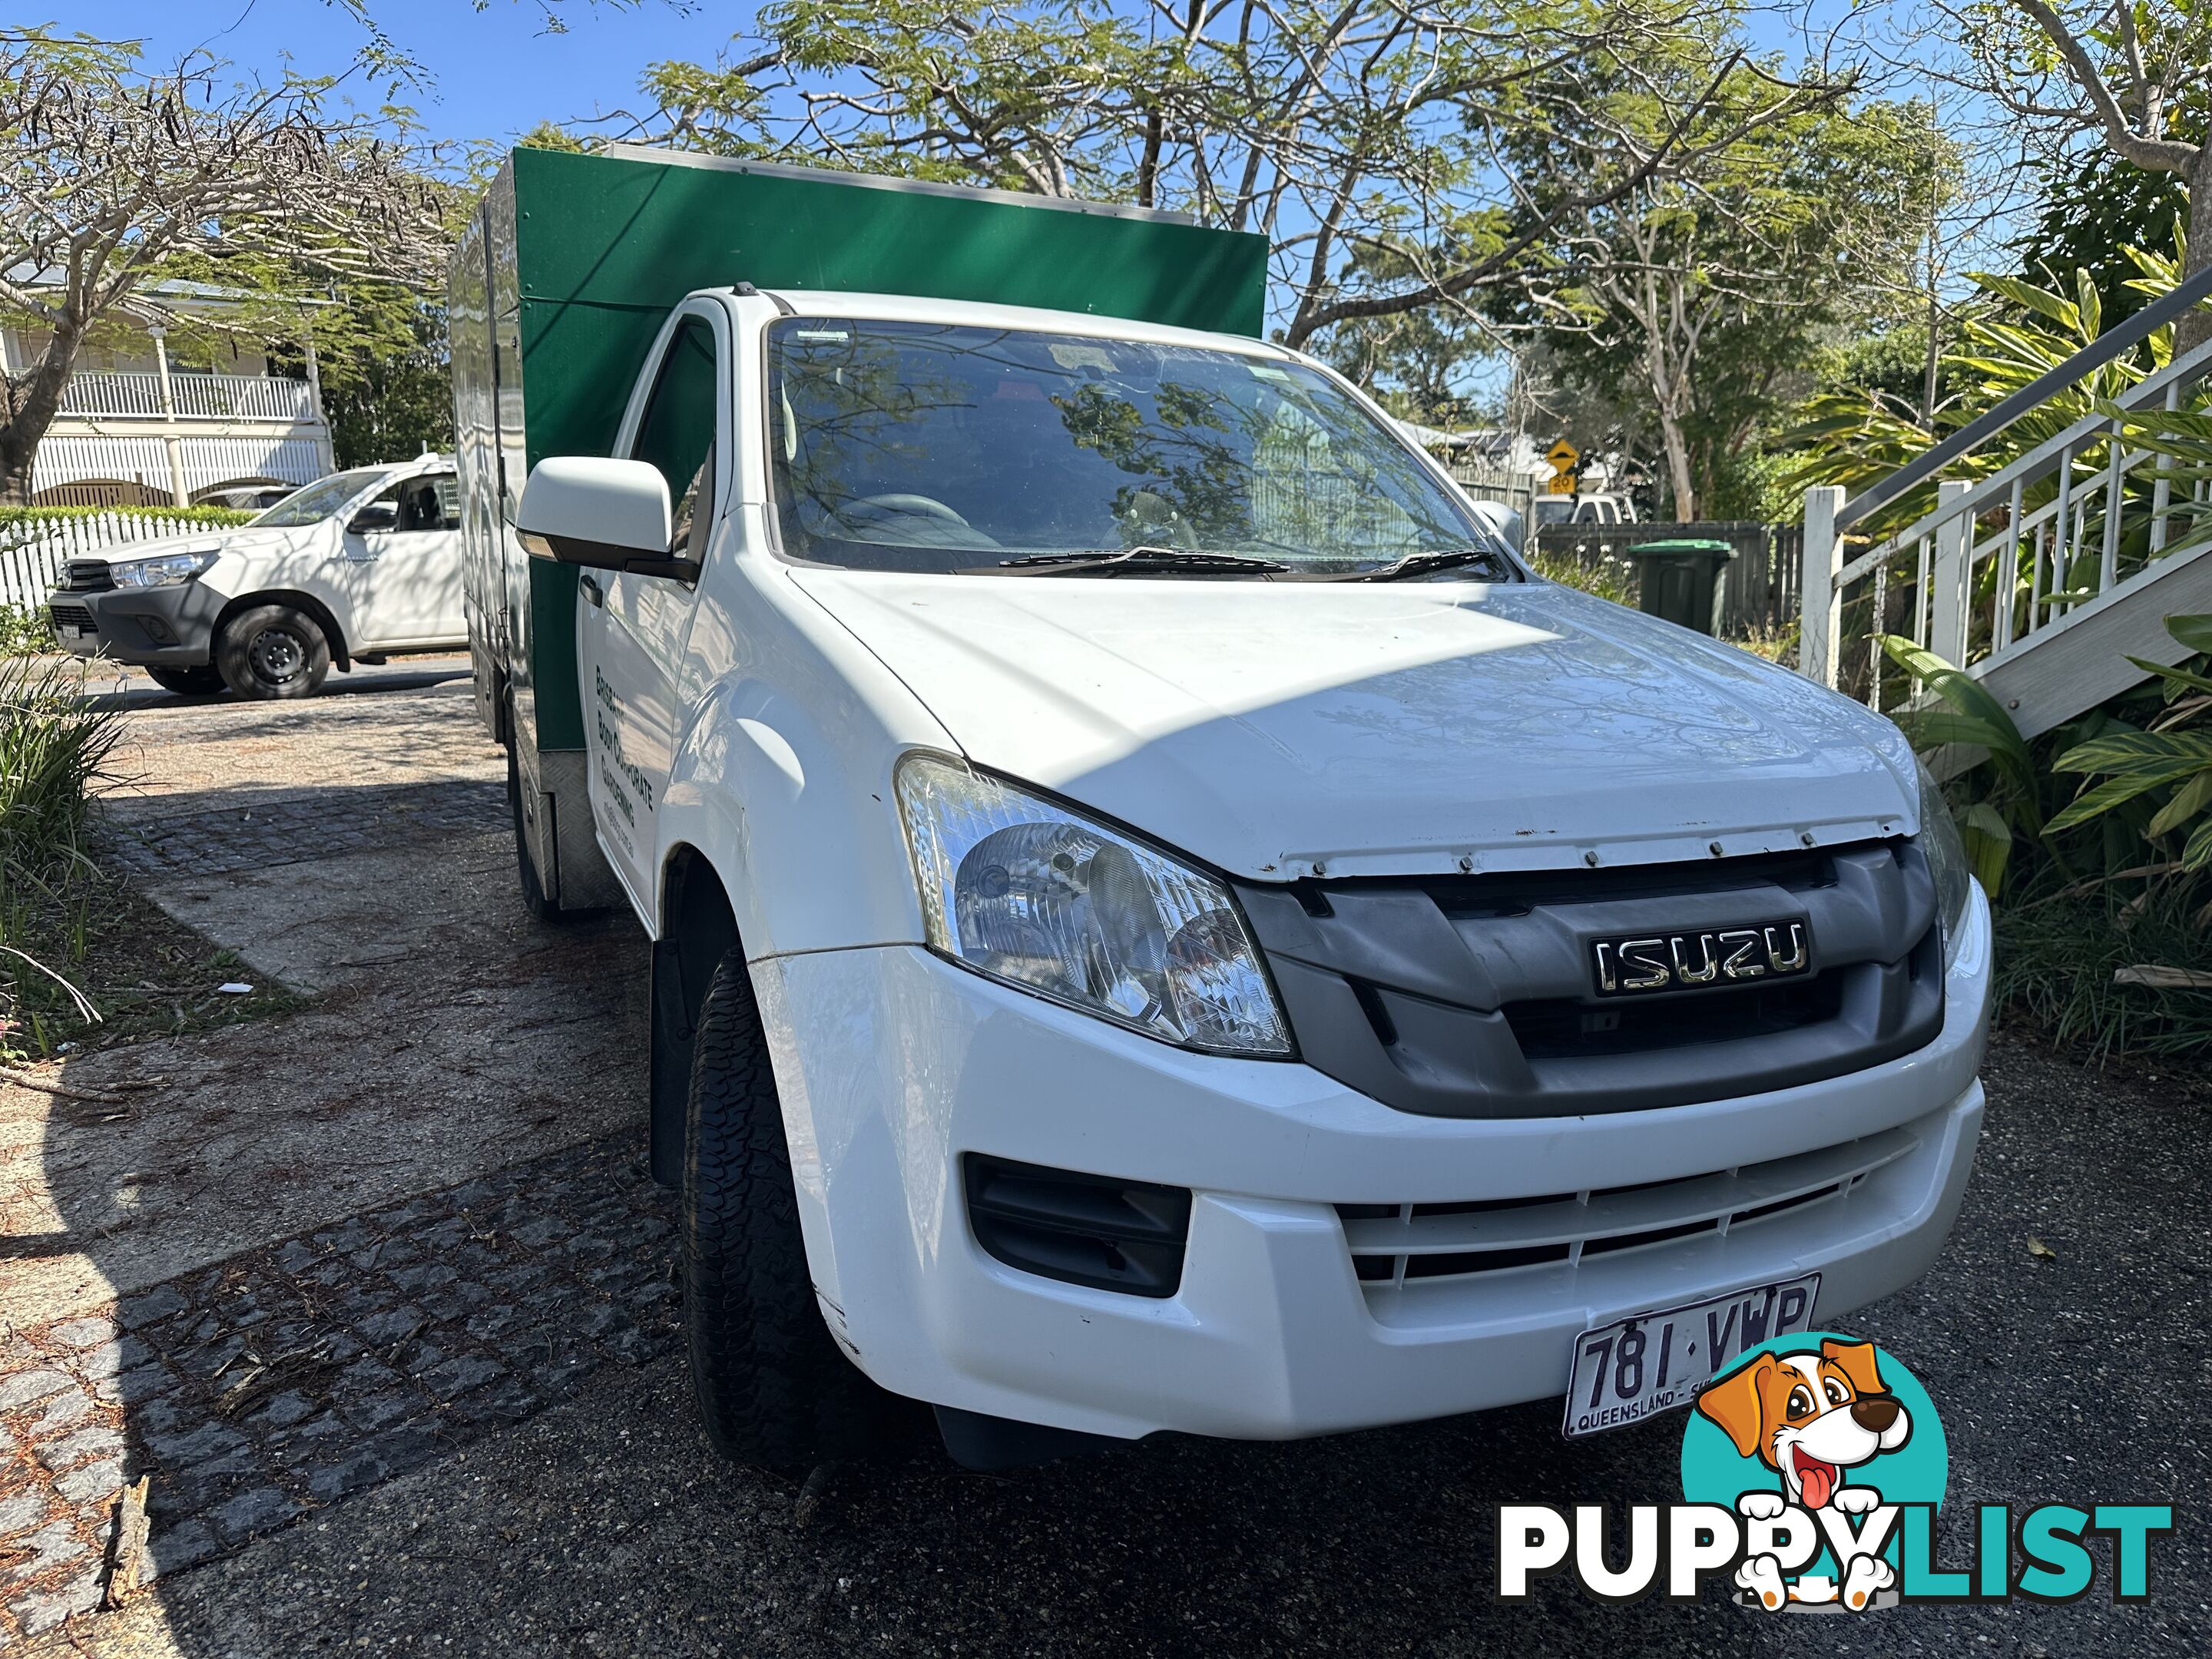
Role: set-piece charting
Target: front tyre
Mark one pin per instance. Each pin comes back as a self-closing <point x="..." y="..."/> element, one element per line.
<point x="775" y="1390"/>
<point x="272" y="652"/>
<point x="188" y="682"/>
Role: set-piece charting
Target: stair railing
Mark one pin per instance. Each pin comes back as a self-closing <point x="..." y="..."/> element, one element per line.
<point x="2077" y="521"/>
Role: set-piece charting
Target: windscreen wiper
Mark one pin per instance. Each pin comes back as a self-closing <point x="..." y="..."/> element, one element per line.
<point x="1423" y="564"/>
<point x="1136" y="561"/>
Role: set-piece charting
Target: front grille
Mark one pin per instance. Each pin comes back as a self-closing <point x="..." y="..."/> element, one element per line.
<point x="1560" y="1028"/>
<point x="1477" y="996"/>
<point x="69" y="616"/>
<point x="1108" y="1234"/>
<point x="1394" y="1245"/>
<point x="87" y="576"/>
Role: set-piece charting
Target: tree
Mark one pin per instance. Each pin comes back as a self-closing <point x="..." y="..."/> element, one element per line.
<point x="1705" y="289"/>
<point x="1417" y="363"/>
<point x="116" y="183"/>
<point x="387" y="387"/>
<point x="2134" y="77"/>
<point x="2096" y="206"/>
<point x="1341" y="131"/>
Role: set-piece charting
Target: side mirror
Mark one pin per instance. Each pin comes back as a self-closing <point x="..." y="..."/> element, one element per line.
<point x="375" y="518"/>
<point x="606" y="514"/>
<point x="1503" y="522"/>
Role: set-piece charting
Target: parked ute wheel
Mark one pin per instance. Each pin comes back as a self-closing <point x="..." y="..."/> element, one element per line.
<point x="188" y="682"/>
<point x="774" y="1388"/>
<point x="273" y="651"/>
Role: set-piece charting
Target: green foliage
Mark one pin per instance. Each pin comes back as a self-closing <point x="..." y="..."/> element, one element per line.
<point x="1963" y="713"/>
<point x="389" y="390"/>
<point x="2114" y="878"/>
<point x="2095" y="207"/>
<point x="2151" y="751"/>
<point x="2021" y="332"/>
<point x="138" y="194"/>
<point x="1417" y="363"/>
<point x="54" y="747"/>
<point x="1888" y="360"/>
<point x="2172" y="758"/>
<point x="21" y="523"/>
<point x="24" y="631"/>
<point x="1700" y="294"/>
<point x="2058" y="962"/>
<point x="1607" y="576"/>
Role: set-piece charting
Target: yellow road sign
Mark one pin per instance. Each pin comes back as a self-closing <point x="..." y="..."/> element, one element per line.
<point x="1563" y="456"/>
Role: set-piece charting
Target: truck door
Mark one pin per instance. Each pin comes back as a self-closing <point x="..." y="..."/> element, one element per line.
<point x="630" y="641"/>
<point x="400" y="565"/>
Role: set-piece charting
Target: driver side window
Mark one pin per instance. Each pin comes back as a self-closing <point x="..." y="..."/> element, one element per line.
<point x="678" y="432"/>
<point x="377" y="516"/>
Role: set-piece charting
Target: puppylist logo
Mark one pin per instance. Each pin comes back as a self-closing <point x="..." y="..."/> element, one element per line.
<point x="1813" y="1470"/>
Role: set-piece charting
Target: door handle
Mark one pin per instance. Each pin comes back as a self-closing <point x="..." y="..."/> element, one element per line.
<point x="592" y="591"/>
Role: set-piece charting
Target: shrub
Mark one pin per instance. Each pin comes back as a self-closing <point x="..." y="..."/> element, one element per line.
<point x="54" y="747"/>
<point x="24" y="631"/>
<point x="1608" y="576"/>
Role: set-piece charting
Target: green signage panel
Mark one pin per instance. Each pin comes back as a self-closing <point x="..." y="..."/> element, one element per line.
<point x="606" y="246"/>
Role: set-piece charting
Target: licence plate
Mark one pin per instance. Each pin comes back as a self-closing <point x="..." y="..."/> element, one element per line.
<point x="1625" y="1371"/>
<point x="68" y="632"/>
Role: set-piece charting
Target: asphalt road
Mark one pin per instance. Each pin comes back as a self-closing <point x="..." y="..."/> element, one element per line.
<point x="602" y="1524"/>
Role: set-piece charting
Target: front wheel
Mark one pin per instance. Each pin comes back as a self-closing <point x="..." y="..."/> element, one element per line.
<point x="187" y="682"/>
<point x="775" y="1390"/>
<point x="272" y="652"/>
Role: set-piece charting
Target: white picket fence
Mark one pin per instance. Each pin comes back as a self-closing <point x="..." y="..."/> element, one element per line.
<point x="34" y="547"/>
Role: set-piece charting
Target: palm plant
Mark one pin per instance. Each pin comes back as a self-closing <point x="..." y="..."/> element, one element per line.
<point x="2174" y="752"/>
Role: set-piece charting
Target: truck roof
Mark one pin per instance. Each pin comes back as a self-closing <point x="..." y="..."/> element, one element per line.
<point x="907" y="308"/>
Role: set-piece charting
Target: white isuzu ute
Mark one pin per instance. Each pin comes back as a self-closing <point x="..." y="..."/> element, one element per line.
<point x="351" y="567"/>
<point x="1160" y="920"/>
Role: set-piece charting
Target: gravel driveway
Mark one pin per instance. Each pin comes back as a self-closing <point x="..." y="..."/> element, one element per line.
<point x="378" y="1293"/>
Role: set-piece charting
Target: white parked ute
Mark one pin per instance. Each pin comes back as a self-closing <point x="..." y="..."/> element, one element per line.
<point x="1162" y="922"/>
<point x="344" y="570"/>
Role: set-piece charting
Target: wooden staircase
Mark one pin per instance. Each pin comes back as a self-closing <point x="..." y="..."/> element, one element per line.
<point x="2043" y="579"/>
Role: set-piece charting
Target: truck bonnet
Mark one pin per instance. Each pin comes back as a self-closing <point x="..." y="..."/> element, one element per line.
<point x="1276" y="729"/>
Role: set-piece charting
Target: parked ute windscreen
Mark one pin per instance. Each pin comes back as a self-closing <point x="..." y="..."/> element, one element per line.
<point x="922" y="447"/>
<point x="319" y="499"/>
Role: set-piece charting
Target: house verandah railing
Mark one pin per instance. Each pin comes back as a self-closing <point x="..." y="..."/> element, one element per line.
<point x="192" y="397"/>
<point x="2103" y="524"/>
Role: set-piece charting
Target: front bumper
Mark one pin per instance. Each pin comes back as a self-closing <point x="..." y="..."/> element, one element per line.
<point x="171" y="627"/>
<point x="892" y="1064"/>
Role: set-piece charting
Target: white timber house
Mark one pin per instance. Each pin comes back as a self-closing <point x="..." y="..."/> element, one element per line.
<point x="155" y="416"/>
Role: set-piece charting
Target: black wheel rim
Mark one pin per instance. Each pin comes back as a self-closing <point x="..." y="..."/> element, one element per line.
<point x="277" y="656"/>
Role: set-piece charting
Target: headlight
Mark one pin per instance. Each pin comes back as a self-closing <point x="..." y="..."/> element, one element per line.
<point x="1023" y="891"/>
<point x="167" y="571"/>
<point x="1947" y="860"/>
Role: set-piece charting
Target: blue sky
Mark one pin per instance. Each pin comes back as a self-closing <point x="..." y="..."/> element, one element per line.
<point x="497" y="68"/>
<point x="496" y="71"/>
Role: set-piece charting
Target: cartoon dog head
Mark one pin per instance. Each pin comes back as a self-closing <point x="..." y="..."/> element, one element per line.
<point x="1809" y="1416"/>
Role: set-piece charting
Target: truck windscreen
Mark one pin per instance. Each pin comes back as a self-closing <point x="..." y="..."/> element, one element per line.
<point x="924" y="446"/>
